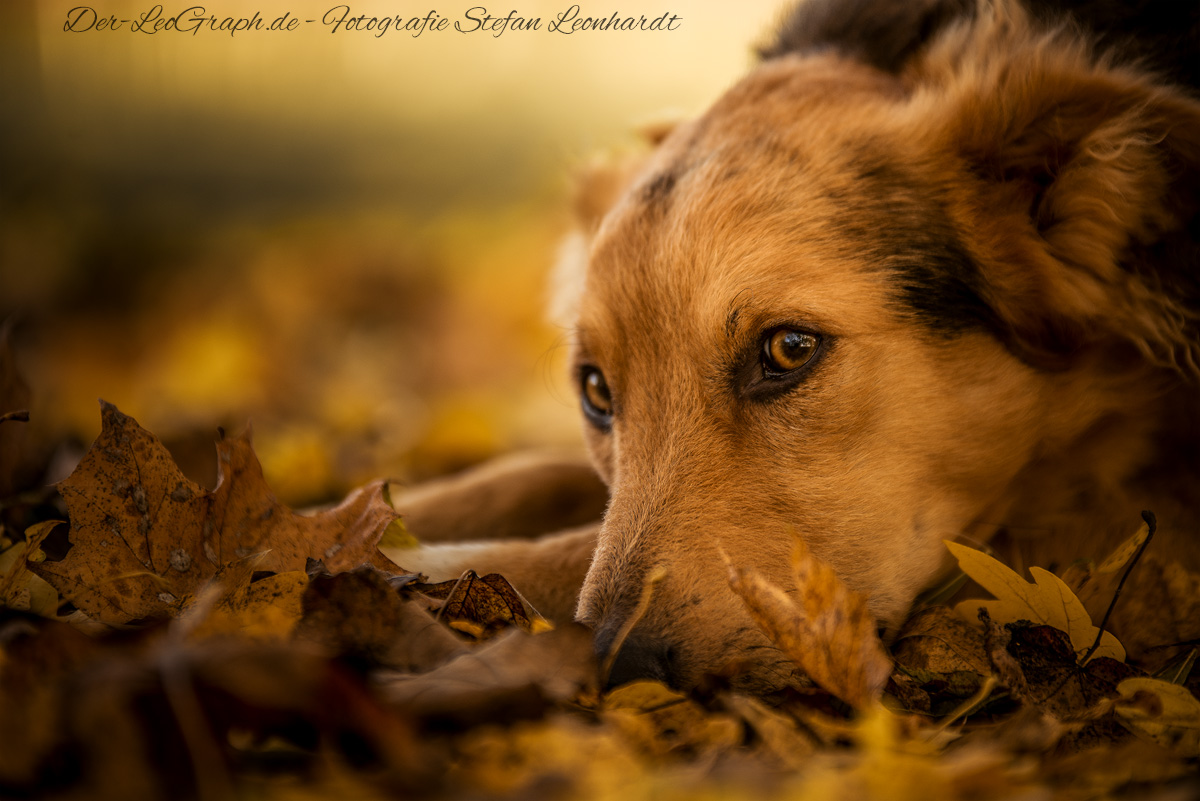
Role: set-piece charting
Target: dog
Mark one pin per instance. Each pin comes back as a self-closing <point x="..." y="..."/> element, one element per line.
<point x="929" y="272"/>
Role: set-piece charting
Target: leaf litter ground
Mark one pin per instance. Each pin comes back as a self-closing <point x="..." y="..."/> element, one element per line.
<point x="218" y="644"/>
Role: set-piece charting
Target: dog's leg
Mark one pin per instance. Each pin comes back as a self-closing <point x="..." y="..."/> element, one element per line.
<point x="489" y="519"/>
<point x="514" y="497"/>
<point x="548" y="571"/>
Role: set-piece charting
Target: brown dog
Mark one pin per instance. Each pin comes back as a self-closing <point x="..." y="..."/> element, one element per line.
<point x="929" y="272"/>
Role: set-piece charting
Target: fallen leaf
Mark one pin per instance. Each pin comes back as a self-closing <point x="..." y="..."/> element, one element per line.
<point x="33" y="655"/>
<point x="21" y="589"/>
<point x="1103" y="771"/>
<point x="266" y="608"/>
<point x="827" y="629"/>
<point x="514" y="675"/>
<point x="939" y="641"/>
<point x="889" y="764"/>
<point x="1056" y="682"/>
<point x="478" y="605"/>
<point x="662" y="722"/>
<point x="144" y="538"/>
<point x="780" y="736"/>
<point x="1120" y="557"/>
<point x="1162" y="712"/>
<point x="561" y="757"/>
<point x="246" y="518"/>
<point x="361" y="615"/>
<point x="1048" y="601"/>
<point x="1159" y="605"/>
<point x="642" y="696"/>
<point x="1179" y="669"/>
<point x="144" y="714"/>
<point x="1004" y="667"/>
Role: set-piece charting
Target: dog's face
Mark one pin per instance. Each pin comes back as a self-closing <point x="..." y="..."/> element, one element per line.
<point x="785" y="330"/>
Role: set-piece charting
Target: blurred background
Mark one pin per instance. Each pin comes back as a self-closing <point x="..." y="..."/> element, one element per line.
<point x="340" y="237"/>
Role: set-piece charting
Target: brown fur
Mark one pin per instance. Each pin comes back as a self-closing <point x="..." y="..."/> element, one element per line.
<point x="995" y="241"/>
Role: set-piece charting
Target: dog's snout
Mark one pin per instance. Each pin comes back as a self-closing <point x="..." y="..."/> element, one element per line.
<point x="642" y="657"/>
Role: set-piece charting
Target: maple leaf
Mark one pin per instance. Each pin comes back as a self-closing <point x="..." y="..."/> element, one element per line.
<point x="827" y="629"/>
<point x="1048" y="601"/>
<point x="144" y="538"/>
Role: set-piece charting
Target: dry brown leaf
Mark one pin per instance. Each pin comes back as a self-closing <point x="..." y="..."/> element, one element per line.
<point x="267" y="608"/>
<point x="360" y="614"/>
<point x="21" y="589"/>
<point x="940" y="641"/>
<point x="31" y="659"/>
<point x="477" y="605"/>
<point x="1101" y="772"/>
<point x="147" y="716"/>
<point x="662" y="722"/>
<point x="786" y="742"/>
<point x="825" y="628"/>
<point x="560" y="758"/>
<point x="1160" y="605"/>
<point x="144" y="538"/>
<point x="512" y="674"/>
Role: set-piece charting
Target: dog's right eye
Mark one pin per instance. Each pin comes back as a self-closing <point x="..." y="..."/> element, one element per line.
<point x="786" y="350"/>
<point x="597" y="400"/>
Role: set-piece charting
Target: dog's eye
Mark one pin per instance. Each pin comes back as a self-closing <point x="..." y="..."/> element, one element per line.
<point x="787" y="350"/>
<point x="597" y="400"/>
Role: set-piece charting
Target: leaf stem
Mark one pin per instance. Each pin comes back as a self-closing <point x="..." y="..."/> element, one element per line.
<point x="1152" y="526"/>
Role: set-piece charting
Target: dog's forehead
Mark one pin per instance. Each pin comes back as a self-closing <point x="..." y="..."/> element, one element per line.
<point x="798" y="190"/>
<point x="748" y="202"/>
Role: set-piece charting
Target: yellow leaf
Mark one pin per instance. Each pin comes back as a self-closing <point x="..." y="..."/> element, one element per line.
<point x="1162" y="712"/>
<point x="396" y="535"/>
<point x="642" y="695"/>
<point x="1047" y="601"/>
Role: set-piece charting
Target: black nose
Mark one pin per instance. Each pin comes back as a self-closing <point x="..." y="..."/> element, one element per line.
<point x="641" y="657"/>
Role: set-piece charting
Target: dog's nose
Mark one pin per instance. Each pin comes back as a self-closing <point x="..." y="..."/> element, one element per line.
<point x="641" y="657"/>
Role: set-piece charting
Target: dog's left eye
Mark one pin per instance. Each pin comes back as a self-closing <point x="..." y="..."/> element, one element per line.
<point x="787" y="350"/>
<point x="597" y="399"/>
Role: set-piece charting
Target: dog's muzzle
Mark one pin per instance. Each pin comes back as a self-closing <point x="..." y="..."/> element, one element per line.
<point x="642" y="656"/>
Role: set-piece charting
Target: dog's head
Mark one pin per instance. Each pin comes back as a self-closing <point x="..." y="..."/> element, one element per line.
<point x="856" y="305"/>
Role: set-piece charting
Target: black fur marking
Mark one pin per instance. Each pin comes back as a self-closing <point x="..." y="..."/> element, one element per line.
<point x="657" y="193"/>
<point x="1162" y="34"/>
<point x="942" y="285"/>
<point x="935" y="277"/>
<point x="882" y="33"/>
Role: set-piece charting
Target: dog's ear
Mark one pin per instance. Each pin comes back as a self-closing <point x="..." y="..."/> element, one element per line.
<point x="1091" y="189"/>
<point x="598" y="187"/>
